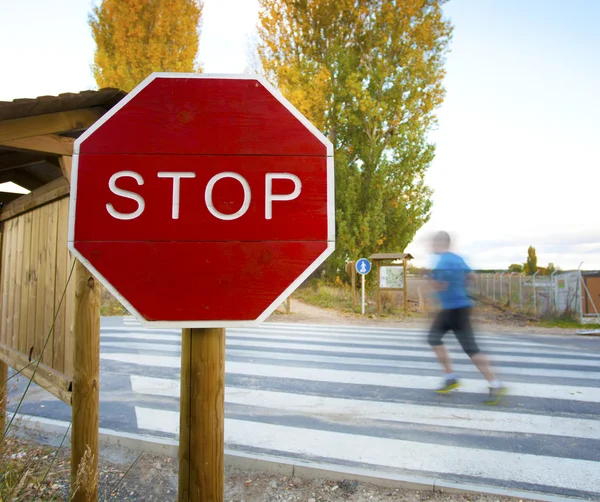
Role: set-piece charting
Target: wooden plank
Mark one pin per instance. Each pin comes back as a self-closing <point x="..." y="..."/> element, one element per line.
<point x="52" y="381"/>
<point x="54" y="190"/>
<point x="65" y="166"/>
<point x="58" y="360"/>
<point x="42" y="263"/>
<point x="49" y="123"/>
<point x="47" y="143"/>
<point x="86" y="379"/>
<point x="185" y="400"/>
<point x="18" y="317"/>
<point x="3" y="396"/>
<point x="26" y="282"/>
<point x="12" y="274"/>
<point x="33" y="280"/>
<point x="378" y="289"/>
<point x="203" y="442"/>
<point x="69" y="316"/>
<point x="4" y="283"/>
<point x="50" y="280"/>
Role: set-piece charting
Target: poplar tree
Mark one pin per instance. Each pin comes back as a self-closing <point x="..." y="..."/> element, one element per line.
<point x="137" y="37"/>
<point x="368" y="74"/>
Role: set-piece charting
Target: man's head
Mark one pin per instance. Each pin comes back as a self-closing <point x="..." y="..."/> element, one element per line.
<point x="440" y="242"/>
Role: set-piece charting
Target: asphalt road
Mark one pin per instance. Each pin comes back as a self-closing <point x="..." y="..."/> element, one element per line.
<point x="363" y="397"/>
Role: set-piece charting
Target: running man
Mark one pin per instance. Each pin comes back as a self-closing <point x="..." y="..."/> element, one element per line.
<point x="450" y="282"/>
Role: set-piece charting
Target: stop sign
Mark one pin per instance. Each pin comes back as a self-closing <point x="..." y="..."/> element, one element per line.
<point x="202" y="200"/>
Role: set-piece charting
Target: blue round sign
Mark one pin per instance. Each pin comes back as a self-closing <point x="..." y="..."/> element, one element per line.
<point x="363" y="266"/>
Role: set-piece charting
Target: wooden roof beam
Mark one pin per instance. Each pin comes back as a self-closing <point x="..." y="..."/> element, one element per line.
<point x="47" y="144"/>
<point x="51" y="123"/>
<point x="19" y="159"/>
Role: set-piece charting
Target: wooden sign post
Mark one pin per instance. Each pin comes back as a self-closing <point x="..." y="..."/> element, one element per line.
<point x="86" y="384"/>
<point x="351" y="271"/>
<point x="255" y="164"/>
<point x="202" y="415"/>
<point x="3" y="396"/>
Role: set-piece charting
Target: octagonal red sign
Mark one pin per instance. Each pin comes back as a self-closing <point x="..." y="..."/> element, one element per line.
<point x="202" y="200"/>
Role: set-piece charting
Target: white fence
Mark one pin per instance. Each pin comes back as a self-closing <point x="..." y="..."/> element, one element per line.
<point x="543" y="296"/>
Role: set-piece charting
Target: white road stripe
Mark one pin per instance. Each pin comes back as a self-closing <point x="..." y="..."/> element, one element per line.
<point x="321" y="335"/>
<point x="146" y="333"/>
<point x="504" y="347"/>
<point x="533" y="390"/>
<point x="326" y="335"/>
<point x="144" y="359"/>
<point x="277" y="356"/>
<point x="355" y="410"/>
<point x="434" y="365"/>
<point x="151" y="338"/>
<point x="157" y="420"/>
<point x="394" y="453"/>
<point x="547" y="359"/>
<point x="159" y="347"/>
<point x="454" y="460"/>
<point x="138" y="336"/>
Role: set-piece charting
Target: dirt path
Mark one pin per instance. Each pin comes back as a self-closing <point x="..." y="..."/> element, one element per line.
<point x="486" y="318"/>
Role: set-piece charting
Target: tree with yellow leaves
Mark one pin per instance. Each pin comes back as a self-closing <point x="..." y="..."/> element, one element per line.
<point x="368" y="73"/>
<point x="137" y="37"/>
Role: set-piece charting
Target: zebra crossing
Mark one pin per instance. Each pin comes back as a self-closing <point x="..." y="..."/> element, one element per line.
<point x="362" y="397"/>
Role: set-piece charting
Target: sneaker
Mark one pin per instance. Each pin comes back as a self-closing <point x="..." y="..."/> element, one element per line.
<point x="449" y="384"/>
<point x="495" y="395"/>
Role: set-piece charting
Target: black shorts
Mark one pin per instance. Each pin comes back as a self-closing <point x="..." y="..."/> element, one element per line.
<point x="458" y="321"/>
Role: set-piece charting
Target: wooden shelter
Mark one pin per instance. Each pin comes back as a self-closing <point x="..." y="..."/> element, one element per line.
<point x="384" y="261"/>
<point x="48" y="329"/>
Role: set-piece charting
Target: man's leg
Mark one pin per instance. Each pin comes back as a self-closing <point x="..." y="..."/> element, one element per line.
<point x="460" y="321"/>
<point x="438" y="329"/>
<point x="483" y="365"/>
<point x="443" y="357"/>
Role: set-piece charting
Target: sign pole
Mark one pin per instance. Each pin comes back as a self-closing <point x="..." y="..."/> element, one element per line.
<point x="405" y="292"/>
<point x="363" y="293"/>
<point x="354" y="287"/>
<point x="363" y="267"/>
<point x="202" y="410"/>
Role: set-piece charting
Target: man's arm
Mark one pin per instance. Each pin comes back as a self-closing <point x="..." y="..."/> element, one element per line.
<point x="439" y="285"/>
<point x="436" y="283"/>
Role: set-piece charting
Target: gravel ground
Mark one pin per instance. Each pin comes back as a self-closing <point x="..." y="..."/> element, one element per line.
<point x="154" y="478"/>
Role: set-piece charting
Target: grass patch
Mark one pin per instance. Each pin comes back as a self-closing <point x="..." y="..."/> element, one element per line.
<point x="327" y="297"/>
<point x="110" y="306"/>
<point x="566" y="323"/>
<point x="339" y="297"/>
<point x="23" y="472"/>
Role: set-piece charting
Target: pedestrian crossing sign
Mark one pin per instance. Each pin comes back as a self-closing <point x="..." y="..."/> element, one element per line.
<point x="363" y="266"/>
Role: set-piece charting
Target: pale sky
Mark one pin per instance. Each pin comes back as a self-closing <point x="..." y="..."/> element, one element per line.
<point x="517" y="160"/>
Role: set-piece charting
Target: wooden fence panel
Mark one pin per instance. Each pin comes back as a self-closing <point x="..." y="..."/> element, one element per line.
<point x="34" y="267"/>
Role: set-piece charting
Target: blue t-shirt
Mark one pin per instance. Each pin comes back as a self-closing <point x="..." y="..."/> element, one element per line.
<point x="452" y="270"/>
